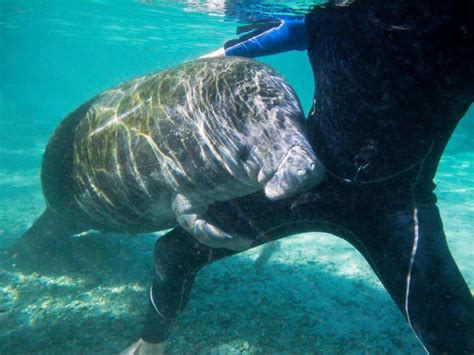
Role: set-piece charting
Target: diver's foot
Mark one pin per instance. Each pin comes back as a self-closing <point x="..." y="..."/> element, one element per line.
<point x="142" y="347"/>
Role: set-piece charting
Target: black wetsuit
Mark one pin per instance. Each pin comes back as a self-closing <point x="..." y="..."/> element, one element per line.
<point x="391" y="85"/>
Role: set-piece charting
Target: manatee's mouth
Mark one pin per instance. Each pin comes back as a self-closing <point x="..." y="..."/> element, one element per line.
<point x="301" y="171"/>
<point x="295" y="172"/>
<point x="264" y="178"/>
<point x="298" y="170"/>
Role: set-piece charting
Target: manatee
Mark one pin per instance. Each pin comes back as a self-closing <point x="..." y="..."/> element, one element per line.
<point x="157" y="150"/>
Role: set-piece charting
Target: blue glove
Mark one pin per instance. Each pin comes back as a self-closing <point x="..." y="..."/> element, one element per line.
<point x="268" y="37"/>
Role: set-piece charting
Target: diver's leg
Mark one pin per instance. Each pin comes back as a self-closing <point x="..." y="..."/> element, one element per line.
<point x="178" y="258"/>
<point x="439" y="302"/>
<point x="408" y="250"/>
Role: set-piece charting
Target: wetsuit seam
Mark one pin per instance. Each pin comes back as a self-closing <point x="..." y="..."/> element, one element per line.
<point x="155" y="307"/>
<point x="180" y="306"/>
<point x="414" y="250"/>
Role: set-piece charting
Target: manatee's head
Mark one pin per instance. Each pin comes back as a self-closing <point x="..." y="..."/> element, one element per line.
<point x="272" y="146"/>
<point x="298" y="170"/>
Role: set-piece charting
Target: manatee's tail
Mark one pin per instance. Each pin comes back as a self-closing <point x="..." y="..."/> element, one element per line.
<point x="46" y="240"/>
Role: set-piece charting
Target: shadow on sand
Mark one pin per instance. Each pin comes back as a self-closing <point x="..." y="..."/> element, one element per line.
<point x="94" y="301"/>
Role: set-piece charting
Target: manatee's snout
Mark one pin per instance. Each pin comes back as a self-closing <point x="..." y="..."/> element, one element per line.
<point x="299" y="170"/>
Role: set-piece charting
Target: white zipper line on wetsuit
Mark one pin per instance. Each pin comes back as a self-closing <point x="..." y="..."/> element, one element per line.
<point x="154" y="305"/>
<point x="412" y="260"/>
<point x="416" y="236"/>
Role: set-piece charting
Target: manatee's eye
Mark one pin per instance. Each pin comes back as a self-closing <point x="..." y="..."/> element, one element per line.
<point x="244" y="153"/>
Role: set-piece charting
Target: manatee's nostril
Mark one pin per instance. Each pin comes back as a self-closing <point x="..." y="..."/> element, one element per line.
<point x="300" y="172"/>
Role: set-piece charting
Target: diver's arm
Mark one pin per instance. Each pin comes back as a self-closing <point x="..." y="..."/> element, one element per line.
<point x="266" y="38"/>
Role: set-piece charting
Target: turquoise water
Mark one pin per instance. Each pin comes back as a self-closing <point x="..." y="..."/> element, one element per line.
<point x="61" y="53"/>
<point x="57" y="54"/>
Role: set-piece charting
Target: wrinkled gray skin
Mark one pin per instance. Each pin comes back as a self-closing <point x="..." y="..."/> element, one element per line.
<point x="161" y="148"/>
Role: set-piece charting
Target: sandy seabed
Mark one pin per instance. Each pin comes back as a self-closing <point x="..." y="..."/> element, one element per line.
<point x="315" y="294"/>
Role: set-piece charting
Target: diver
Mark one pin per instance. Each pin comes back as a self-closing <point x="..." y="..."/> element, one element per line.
<point x="392" y="80"/>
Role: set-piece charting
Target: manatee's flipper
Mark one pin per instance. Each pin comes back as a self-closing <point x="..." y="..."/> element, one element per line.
<point x="298" y="171"/>
<point x="189" y="216"/>
<point x="46" y="240"/>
